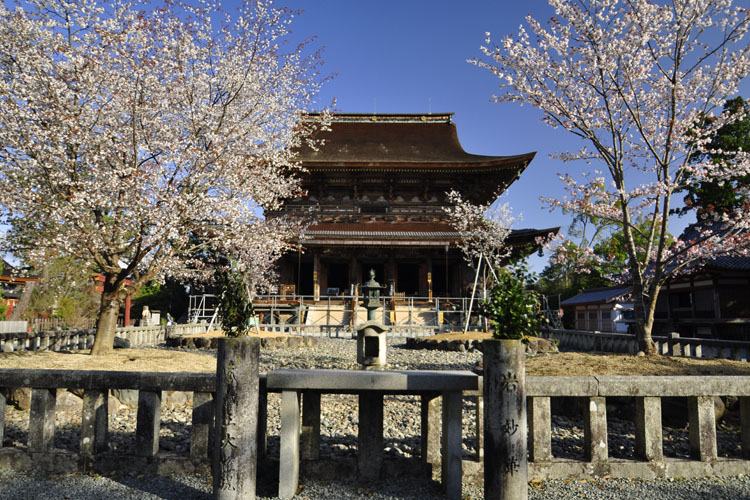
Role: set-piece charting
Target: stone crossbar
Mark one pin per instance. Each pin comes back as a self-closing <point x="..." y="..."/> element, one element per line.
<point x="387" y="381"/>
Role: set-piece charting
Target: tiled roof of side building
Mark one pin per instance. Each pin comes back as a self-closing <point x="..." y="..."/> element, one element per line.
<point x="597" y="295"/>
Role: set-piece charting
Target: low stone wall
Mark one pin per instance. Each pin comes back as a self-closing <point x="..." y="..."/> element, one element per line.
<point x="94" y="453"/>
<point x="13" y="326"/>
<point x="672" y="345"/>
<point x="647" y="393"/>
<point x="73" y="340"/>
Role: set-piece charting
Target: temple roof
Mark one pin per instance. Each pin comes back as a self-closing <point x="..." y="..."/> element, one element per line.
<point x="406" y="233"/>
<point x="400" y="140"/>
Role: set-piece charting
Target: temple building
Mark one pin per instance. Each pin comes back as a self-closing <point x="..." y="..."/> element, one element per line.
<point x="377" y="188"/>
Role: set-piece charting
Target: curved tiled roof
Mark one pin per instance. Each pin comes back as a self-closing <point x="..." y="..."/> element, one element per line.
<point x="400" y="140"/>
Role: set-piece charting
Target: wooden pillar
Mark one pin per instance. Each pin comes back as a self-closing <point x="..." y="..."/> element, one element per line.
<point x="423" y="288"/>
<point x="353" y="278"/>
<point x="316" y="276"/>
<point x="126" y="320"/>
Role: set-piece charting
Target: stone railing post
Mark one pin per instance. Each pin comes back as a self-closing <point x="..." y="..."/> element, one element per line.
<point x="430" y="428"/>
<point x="202" y="421"/>
<point x="2" y="417"/>
<point x="505" y="460"/>
<point x="675" y="349"/>
<point x="235" y="457"/>
<point x="94" y="422"/>
<point x="148" y="419"/>
<point x="310" y="434"/>
<point x="289" y="444"/>
<point x="370" y="433"/>
<point x="479" y="418"/>
<point x="262" y="419"/>
<point x="648" y="439"/>
<point x="702" y="428"/>
<point x="42" y="419"/>
<point x="744" y="425"/>
<point x="540" y="428"/>
<point x="595" y="430"/>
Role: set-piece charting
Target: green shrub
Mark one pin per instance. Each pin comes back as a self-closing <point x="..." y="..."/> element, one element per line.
<point x="235" y="306"/>
<point x="511" y="308"/>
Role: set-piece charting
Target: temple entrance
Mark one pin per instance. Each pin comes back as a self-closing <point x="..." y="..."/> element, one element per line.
<point x="338" y="279"/>
<point x="439" y="286"/>
<point x="305" y="281"/>
<point x="407" y="279"/>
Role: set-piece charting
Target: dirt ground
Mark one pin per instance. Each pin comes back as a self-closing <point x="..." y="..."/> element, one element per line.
<point x="553" y="364"/>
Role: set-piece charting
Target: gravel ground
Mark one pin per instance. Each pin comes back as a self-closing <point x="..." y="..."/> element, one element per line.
<point x="338" y="438"/>
<point x="14" y="486"/>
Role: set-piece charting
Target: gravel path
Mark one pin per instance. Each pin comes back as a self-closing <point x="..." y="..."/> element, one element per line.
<point x="15" y="486"/>
<point x="338" y="438"/>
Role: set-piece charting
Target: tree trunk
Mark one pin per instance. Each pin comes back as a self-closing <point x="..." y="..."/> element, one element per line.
<point x="106" y="324"/>
<point x="641" y="326"/>
<point x="23" y="302"/>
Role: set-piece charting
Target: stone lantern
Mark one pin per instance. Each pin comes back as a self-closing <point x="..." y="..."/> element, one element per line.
<point x="371" y="336"/>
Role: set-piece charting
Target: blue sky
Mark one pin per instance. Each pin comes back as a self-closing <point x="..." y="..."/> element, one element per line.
<point x="410" y="56"/>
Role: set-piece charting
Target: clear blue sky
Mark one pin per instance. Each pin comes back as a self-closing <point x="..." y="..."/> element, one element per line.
<point x="410" y="56"/>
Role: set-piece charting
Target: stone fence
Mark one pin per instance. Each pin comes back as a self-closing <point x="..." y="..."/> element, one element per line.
<point x="73" y="340"/>
<point x="146" y="457"/>
<point x="672" y="345"/>
<point x="14" y="326"/>
<point x="94" y="453"/>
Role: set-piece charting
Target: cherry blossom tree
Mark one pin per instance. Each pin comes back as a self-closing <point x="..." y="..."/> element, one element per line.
<point x="142" y="137"/>
<point x="483" y="230"/>
<point x="631" y="79"/>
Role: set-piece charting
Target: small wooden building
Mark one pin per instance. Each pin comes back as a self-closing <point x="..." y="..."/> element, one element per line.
<point x="600" y="309"/>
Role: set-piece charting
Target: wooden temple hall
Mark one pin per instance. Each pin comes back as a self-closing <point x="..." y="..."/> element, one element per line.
<point x="377" y="188"/>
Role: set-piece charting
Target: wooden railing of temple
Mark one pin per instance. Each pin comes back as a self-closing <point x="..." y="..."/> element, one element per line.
<point x="336" y="316"/>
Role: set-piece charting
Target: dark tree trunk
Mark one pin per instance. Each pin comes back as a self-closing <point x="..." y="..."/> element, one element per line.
<point x="23" y="302"/>
<point x="106" y="322"/>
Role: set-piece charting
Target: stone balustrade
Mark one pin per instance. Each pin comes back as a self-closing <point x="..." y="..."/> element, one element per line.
<point x="646" y="393"/>
<point x="94" y="452"/>
<point x="671" y="345"/>
<point x="73" y="340"/>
